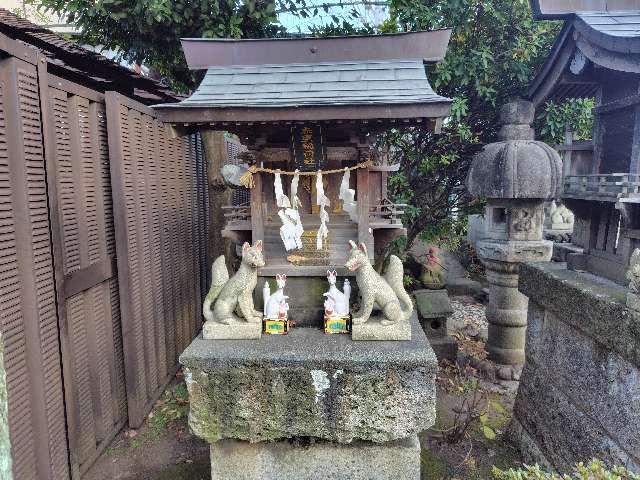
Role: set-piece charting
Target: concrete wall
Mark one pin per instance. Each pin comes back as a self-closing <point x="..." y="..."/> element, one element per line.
<point x="579" y="394"/>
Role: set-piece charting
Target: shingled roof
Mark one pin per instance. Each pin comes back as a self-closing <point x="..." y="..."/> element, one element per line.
<point x="87" y="66"/>
<point x="342" y="83"/>
<point x="345" y="78"/>
<point x="557" y="9"/>
<point x="609" y="39"/>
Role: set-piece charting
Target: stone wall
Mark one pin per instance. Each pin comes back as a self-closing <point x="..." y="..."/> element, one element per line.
<point x="579" y="394"/>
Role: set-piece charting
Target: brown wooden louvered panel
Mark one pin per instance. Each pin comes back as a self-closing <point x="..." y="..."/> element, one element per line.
<point x="82" y="391"/>
<point x="27" y="289"/>
<point x="152" y="134"/>
<point x="12" y="320"/>
<point x="105" y="177"/>
<point x="91" y="340"/>
<point x="124" y="204"/>
<point x="42" y="264"/>
<point x="166" y="262"/>
<point x="156" y="221"/>
<point x="145" y="249"/>
<point x="90" y="173"/>
<point x="65" y="182"/>
<point x="119" y="394"/>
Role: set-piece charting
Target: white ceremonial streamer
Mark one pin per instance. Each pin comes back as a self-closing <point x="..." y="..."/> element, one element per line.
<point x="322" y="201"/>
<point x="295" y="201"/>
<point x="344" y="184"/>
<point x="282" y="201"/>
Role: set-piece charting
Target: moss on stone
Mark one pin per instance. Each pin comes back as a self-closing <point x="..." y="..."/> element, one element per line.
<point x="256" y="404"/>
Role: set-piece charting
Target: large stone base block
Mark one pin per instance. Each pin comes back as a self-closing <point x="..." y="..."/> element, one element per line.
<point x="235" y="331"/>
<point x="284" y="460"/>
<point x="308" y="384"/>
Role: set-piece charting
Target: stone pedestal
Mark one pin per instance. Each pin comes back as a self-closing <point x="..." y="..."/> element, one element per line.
<point x="507" y="308"/>
<point x="434" y="310"/>
<point x="286" y="460"/>
<point x="373" y="329"/>
<point x="308" y="384"/>
<point x="238" y="330"/>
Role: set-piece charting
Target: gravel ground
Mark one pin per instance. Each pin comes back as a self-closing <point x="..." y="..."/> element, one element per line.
<point x="469" y="317"/>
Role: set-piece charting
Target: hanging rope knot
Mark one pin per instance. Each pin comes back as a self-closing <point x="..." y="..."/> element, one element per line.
<point x="246" y="180"/>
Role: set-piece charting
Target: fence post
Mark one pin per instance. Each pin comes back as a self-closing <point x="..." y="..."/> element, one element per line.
<point x="135" y="405"/>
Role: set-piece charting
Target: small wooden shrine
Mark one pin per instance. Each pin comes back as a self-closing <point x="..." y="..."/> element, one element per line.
<point x="596" y="55"/>
<point x="313" y="105"/>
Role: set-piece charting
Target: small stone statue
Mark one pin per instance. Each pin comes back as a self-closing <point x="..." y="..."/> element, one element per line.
<point x="337" y="302"/>
<point x="276" y="303"/>
<point x="228" y="294"/>
<point x="561" y="216"/>
<point x="386" y="292"/>
<point x="633" y="274"/>
<point x="432" y="273"/>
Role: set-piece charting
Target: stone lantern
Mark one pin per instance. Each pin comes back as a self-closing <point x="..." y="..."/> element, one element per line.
<point x="516" y="175"/>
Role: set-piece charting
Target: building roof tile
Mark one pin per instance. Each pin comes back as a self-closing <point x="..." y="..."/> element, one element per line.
<point x="339" y="83"/>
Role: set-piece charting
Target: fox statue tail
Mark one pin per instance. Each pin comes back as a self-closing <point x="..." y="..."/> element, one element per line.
<point x="219" y="276"/>
<point x="394" y="276"/>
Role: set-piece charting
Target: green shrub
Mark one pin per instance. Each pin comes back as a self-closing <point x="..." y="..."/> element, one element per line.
<point x="594" y="470"/>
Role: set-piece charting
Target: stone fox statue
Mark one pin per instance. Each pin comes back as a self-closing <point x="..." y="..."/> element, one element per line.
<point x="236" y="292"/>
<point x="385" y="293"/>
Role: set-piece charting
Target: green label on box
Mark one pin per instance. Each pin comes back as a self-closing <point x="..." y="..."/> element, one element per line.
<point x="336" y="325"/>
<point x="275" y="326"/>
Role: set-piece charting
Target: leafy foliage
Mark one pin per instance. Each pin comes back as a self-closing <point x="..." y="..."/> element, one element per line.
<point x="577" y="112"/>
<point x="149" y="31"/>
<point x="495" y="48"/>
<point x="475" y="407"/>
<point x="594" y="470"/>
<point x="494" y="51"/>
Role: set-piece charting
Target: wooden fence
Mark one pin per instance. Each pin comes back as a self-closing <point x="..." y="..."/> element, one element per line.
<point x="102" y="261"/>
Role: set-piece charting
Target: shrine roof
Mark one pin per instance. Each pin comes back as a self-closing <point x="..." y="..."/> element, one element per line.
<point x="349" y="78"/>
<point x="554" y="9"/>
<point x="609" y="39"/>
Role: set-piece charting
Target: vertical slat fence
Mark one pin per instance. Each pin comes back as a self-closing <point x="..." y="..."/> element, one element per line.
<point x="27" y="286"/>
<point x="159" y="240"/>
<point x="102" y="262"/>
<point x="88" y="297"/>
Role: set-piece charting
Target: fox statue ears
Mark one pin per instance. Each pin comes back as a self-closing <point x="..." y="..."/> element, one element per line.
<point x="281" y="277"/>
<point x="361" y="246"/>
<point x="246" y="246"/>
<point x="335" y="274"/>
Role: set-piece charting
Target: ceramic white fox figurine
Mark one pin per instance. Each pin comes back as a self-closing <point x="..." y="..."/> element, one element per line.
<point x="336" y="301"/>
<point x="276" y="303"/>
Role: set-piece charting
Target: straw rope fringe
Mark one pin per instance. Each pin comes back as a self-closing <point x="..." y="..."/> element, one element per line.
<point x="246" y="180"/>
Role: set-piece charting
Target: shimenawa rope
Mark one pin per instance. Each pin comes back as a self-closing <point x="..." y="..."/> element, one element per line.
<point x="246" y="180"/>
